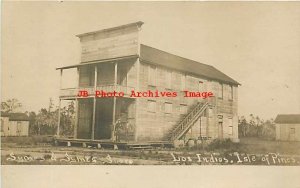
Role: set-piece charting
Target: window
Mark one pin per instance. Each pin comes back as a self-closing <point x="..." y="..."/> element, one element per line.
<point x="230" y="130"/>
<point x="220" y="91"/>
<point x="230" y="127"/>
<point x="152" y="75"/>
<point x="183" y="109"/>
<point x="182" y="82"/>
<point x="201" y="85"/>
<point x="168" y="107"/>
<point x="151" y="106"/>
<point x="2" y="126"/>
<point x="168" y="79"/>
<point x="210" y="112"/>
<point x="231" y="92"/>
<point x="86" y="76"/>
<point x="292" y="131"/>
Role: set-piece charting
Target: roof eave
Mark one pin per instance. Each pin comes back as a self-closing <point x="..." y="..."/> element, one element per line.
<point x="203" y="76"/>
<point x="138" y="24"/>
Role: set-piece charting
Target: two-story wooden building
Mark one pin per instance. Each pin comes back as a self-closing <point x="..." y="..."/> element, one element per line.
<point x="114" y="59"/>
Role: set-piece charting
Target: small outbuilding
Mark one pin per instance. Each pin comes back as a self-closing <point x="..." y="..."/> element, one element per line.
<point x="14" y="124"/>
<point x="288" y="127"/>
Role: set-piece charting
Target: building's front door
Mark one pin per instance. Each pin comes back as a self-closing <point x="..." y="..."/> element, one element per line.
<point x="220" y="130"/>
<point x="85" y="116"/>
<point x="103" y="119"/>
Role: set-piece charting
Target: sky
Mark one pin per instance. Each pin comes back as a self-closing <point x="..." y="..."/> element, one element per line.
<point x="255" y="43"/>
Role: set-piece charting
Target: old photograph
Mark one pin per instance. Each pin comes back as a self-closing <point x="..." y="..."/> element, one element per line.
<point x="150" y="83"/>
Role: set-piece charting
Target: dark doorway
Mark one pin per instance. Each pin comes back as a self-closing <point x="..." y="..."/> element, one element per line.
<point x="85" y="115"/>
<point x="103" y="120"/>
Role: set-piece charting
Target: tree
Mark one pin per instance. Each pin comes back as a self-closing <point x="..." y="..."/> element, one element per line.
<point x="11" y="105"/>
<point x="46" y="120"/>
<point x="32" y="120"/>
<point x="243" y="126"/>
<point x="67" y="119"/>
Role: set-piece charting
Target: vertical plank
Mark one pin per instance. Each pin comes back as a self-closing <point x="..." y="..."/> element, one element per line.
<point x="58" y="125"/>
<point x="138" y="65"/>
<point x="77" y="107"/>
<point x="114" y="104"/>
<point x="94" y="105"/>
<point x="60" y="87"/>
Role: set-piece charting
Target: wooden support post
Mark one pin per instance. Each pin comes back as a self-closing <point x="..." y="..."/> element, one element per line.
<point x="59" y="104"/>
<point x="95" y="102"/>
<point x="137" y="100"/>
<point x="114" y="104"/>
<point x="58" y="123"/>
<point x="76" y="118"/>
<point x="77" y="109"/>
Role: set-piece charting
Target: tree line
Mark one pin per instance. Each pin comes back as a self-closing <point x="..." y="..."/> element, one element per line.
<point x="254" y="126"/>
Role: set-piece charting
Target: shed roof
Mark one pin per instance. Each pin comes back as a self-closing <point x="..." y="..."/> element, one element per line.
<point x="159" y="57"/>
<point x="15" y="116"/>
<point x="288" y="119"/>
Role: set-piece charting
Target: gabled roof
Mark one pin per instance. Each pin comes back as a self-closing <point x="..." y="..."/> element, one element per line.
<point x="288" y="119"/>
<point x="15" y="116"/>
<point x="159" y="57"/>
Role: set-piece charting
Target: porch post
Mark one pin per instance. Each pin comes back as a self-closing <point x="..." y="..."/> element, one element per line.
<point x="137" y="99"/>
<point x="114" y="104"/>
<point x="94" y="106"/>
<point x="59" y="104"/>
<point x="77" y="108"/>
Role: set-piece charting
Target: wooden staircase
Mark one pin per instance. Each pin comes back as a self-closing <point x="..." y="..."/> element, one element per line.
<point x="184" y="125"/>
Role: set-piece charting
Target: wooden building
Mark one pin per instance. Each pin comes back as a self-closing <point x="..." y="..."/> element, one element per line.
<point x="115" y="60"/>
<point x="14" y="124"/>
<point x="288" y="127"/>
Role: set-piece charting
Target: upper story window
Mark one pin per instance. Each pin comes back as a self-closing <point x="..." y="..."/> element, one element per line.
<point x="292" y="131"/>
<point x="220" y="90"/>
<point x="168" y="79"/>
<point x="151" y="106"/>
<point x="182" y="82"/>
<point x="183" y="108"/>
<point x="168" y="107"/>
<point x="230" y="92"/>
<point x="201" y="85"/>
<point x="86" y="76"/>
<point x="152" y="75"/>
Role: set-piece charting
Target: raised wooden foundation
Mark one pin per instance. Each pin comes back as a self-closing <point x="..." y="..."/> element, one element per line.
<point x="109" y="144"/>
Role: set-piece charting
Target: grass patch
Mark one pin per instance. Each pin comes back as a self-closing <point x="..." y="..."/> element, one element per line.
<point x="30" y="140"/>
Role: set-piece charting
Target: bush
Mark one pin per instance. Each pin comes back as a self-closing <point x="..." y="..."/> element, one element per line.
<point x="225" y="144"/>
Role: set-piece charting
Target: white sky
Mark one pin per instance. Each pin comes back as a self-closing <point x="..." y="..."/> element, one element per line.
<point x="255" y="43"/>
